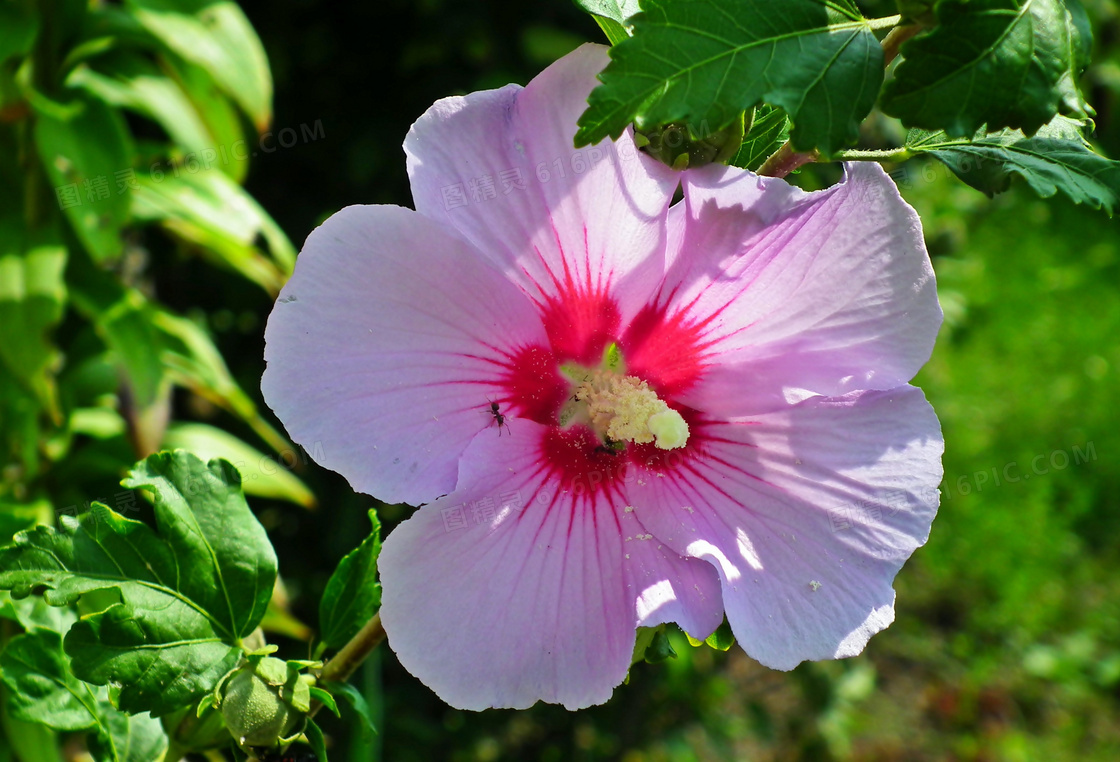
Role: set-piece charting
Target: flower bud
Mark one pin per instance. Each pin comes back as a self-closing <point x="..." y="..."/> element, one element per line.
<point x="254" y="707"/>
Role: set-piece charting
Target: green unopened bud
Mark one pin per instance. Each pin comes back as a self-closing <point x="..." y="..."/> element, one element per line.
<point x="682" y="145"/>
<point x="256" y="706"/>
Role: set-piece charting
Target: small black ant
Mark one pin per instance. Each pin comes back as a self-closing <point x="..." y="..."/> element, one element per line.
<point x="499" y="417"/>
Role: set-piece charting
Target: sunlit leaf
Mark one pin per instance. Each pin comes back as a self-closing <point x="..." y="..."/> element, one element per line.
<point x="261" y="475"/>
<point x="86" y="153"/>
<point x="1000" y="63"/>
<point x="353" y="594"/>
<point x="217" y="36"/>
<point x="207" y="209"/>
<point x="188" y="592"/>
<point x="704" y="62"/>
<point x="44" y="690"/>
<point x="767" y="134"/>
<point x="1056" y="159"/>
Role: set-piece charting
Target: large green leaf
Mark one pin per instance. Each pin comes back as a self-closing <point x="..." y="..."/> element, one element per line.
<point x="1000" y="63"/>
<point x="215" y="35"/>
<point x="704" y="62"/>
<point x="352" y="595"/>
<point x="44" y="690"/>
<point x="1056" y="159"/>
<point x="87" y="151"/>
<point x="188" y="594"/>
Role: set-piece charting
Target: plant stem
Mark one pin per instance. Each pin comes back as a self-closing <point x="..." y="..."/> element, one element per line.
<point x="884" y="23"/>
<point x="343" y="664"/>
<point x="785" y="160"/>
<point x="895" y="38"/>
<point x="889" y="154"/>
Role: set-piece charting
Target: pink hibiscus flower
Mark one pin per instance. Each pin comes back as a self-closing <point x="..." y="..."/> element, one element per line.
<point x="615" y="412"/>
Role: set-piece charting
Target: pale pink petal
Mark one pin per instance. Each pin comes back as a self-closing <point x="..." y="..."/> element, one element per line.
<point x="581" y="217"/>
<point x="800" y="293"/>
<point x="510" y="591"/>
<point x="386" y="347"/>
<point x="667" y="586"/>
<point x="807" y="514"/>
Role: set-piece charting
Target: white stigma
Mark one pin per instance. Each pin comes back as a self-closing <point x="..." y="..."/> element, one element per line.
<point x="625" y="409"/>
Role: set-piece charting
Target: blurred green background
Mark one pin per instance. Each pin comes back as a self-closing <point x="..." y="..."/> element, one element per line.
<point x="1006" y="644"/>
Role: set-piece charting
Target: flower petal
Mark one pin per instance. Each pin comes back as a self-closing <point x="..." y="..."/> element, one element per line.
<point x="385" y="347"/>
<point x="667" y="586"/>
<point x="500" y="167"/>
<point x="509" y="592"/>
<point x="808" y="514"/>
<point x="821" y="293"/>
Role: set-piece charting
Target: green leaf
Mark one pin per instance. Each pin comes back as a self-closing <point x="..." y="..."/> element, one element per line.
<point x="612" y="16"/>
<point x="721" y="640"/>
<point x="659" y="648"/>
<point x="34" y="613"/>
<point x="130" y="81"/>
<point x="704" y="62"/>
<point x="228" y="151"/>
<point x="218" y="37"/>
<point x="86" y="153"/>
<point x="315" y="740"/>
<point x="325" y="698"/>
<point x="1000" y="63"/>
<point x="352" y="595"/>
<point x="209" y="210"/>
<point x="261" y="475"/>
<point x="769" y="131"/>
<point x="43" y="689"/>
<point x="16" y="517"/>
<point x="360" y="706"/>
<point x="128" y="738"/>
<point x="619" y="11"/>
<point x="1056" y="159"/>
<point x="153" y="345"/>
<point x="195" y="363"/>
<point x="187" y="595"/>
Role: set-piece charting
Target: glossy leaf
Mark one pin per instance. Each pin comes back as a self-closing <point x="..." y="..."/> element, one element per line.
<point x="612" y="16"/>
<point x="1000" y="63"/>
<point x="208" y="210"/>
<point x="769" y="131"/>
<point x="353" y="594"/>
<point x="43" y="689"/>
<point x="218" y="37"/>
<point x="360" y="706"/>
<point x="702" y="61"/>
<point x="1056" y="159"/>
<point x="134" y="82"/>
<point x="261" y="475"/>
<point x="188" y="593"/>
